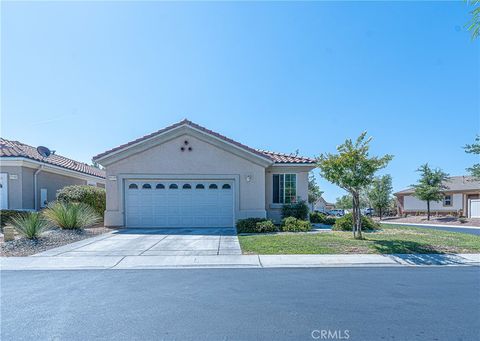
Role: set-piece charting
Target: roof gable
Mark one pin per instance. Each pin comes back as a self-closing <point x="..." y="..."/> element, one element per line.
<point x="10" y="149"/>
<point x="264" y="157"/>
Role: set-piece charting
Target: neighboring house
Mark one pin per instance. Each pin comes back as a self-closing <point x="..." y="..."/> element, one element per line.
<point x="188" y="176"/>
<point x="29" y="181"/>
<point x="461" y="197"/>
<point x="322" y="205"/>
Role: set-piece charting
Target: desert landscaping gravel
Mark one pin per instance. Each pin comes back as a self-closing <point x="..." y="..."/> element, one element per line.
<point x="50" y="239"/>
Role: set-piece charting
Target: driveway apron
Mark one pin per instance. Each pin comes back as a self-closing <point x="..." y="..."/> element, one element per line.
<point x="157" y="242"/>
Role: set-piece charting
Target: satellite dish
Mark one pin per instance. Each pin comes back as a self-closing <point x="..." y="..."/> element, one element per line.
<point x="43" y="151"/>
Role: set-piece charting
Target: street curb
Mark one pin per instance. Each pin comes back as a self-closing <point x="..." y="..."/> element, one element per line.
<point x="236" y="261"/>
<point x="429" y="225"/>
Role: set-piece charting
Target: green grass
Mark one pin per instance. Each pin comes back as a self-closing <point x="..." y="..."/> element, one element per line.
<point x="398" y="239"/>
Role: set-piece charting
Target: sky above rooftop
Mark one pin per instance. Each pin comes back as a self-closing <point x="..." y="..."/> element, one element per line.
<point x="84" y="77"/>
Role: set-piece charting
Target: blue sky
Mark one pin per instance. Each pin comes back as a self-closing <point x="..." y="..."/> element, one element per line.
<point x="84" y="77"/>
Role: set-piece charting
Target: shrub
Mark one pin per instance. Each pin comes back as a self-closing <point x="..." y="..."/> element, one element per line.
<point x="297" y="210"/>
<point x="462" y="219"/>
<point x="6" y="215"/>
<point x="255" y="225"/>
<point x="345" y="223"/>
<point x="90" y="195"/>
<point x="292" y="224"/>
<point x="266" y="226"/>
<point x="320" y="218"/>
<point x="30" y="225"/>
<point x="71" y="215"/>
<point x="248" y="225"/>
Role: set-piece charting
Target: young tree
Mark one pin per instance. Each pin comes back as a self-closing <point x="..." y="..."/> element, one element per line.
<point x="430" y="186"/>
<point x="352" y="169"/>
<point x="314" y="192"/>
<point x="379" y="194"/>
<point x="474" y="148"/>
<point x="345" y="202"/>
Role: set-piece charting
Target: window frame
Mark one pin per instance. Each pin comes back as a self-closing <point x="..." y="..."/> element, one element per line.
<point x="445" y="199"/>
<point x="281" y="195"/>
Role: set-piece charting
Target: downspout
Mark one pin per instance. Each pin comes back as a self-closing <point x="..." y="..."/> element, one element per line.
<point x="35" y="196"/>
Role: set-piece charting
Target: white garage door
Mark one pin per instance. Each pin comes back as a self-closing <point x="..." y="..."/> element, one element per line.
<point x="474" y="208"/>
<point x="170" y="203"/>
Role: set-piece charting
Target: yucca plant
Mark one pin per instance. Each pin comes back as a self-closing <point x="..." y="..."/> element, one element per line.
<point x="71" y="215"/>
<point x="30" y="225"/>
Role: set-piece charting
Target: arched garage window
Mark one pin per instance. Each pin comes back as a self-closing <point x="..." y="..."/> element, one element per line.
<point x="147" y="186"/>
<point x="160" y="186"/>
<point x="213" y="186"/>
<point x="187" y="186"/>
<point x="173" y="186"/>
<point x="200" y="186"/>
<point x="133" y="186"/>
<point x="226" y="186"/>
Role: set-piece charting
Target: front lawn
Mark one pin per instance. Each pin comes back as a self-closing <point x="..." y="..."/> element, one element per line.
<point x="391" y="239"/>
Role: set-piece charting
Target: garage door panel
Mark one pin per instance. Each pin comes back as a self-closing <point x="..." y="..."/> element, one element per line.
<point x="191" y="204"/>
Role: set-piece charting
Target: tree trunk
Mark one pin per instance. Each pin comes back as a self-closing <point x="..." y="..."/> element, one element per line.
<point x="380" y="213"/>
<point x="428" y="209"/>
<point x="357" y="222"/>
<point x="353" y="216"/>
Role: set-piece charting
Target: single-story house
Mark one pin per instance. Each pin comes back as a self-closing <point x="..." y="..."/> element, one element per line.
<point x="322" y="205"/>
<point x="188" y="176"/>
<point x="461" y="197"/>
<point x="28" y="180"/>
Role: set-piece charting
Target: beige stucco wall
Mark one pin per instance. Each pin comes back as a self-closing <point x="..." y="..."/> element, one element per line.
<point x="21" y="189"/>
<point x="274" y="211"/>
<point x="14" y="186"/>
<point x="166" y="160"/>
<point x="411" y="203"/>
<point x="27" y="188"/>
<point x="53" y="182"/>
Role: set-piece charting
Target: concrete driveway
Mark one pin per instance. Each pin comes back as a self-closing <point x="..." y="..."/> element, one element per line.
<point x="155" y="242"/>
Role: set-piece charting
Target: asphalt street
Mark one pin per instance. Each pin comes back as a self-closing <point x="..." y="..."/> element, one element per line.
<point x="474" y="231"/>
<point x="411" y="303"/>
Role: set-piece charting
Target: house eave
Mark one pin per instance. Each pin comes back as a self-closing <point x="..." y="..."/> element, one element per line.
<point x="180" y="130"/>
<point x="29" y="163"/>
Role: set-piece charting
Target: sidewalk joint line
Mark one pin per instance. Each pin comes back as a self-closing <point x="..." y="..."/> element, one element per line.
<point x="113" y="266"/>
<point x="148" y="249"/>
<point x="260" y="262"/>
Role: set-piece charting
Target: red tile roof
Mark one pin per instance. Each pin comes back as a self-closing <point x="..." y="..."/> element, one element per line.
<point x="275" y="157"/>
<point x="287" y="158"/>
<point x="10" y="148"/>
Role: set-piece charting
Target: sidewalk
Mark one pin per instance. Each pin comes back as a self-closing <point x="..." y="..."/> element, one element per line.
<point x="235" y="261"/>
